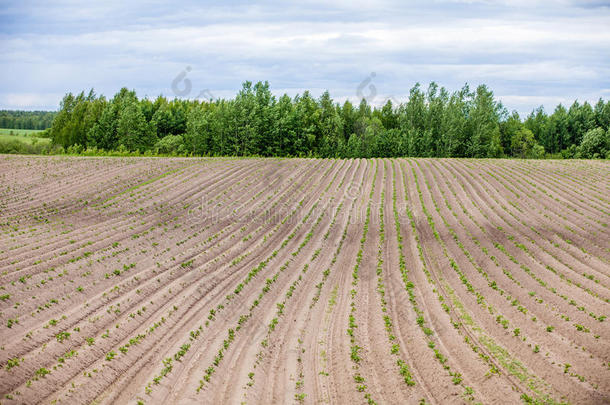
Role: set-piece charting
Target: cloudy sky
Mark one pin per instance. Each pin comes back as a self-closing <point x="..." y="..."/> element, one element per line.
<point x="529" y="52"/>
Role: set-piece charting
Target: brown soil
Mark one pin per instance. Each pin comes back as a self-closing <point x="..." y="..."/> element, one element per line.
<point x="175" y="280"/>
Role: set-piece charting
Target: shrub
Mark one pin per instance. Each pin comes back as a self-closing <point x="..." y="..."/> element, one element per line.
<point x="170" y="144"/>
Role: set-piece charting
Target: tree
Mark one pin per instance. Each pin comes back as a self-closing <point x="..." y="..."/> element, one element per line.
<point x="353" y="148"/>
<point x="95" y="110"/>
<point x="454" y="125"/>
<point x="496" y="149"/>
<point x="284" y="138"/>
<point x="536" y="122"/>
<point x="103" y="134"/>
<point x="63" y="121"/>
<point x="330" y="126"/>
<point x="368" y="144"/>
<point x="581" y="119"/>
<point x="602" y="114"/>
<point x="595" y="143"/>
<point x="437" y="101"/>
<point x="198" y="136"/>
<point x="412" y="118"/>
<point x="348" y="116"/>
<point x="388" y="116"/>
<point x="524" y="145"/>
<point x="133" y="131"/>
<point x="263" y="118"/>
<point x="223" y="126"/>
<point x="245" y="126"/>
<point x="305" y="109"/>
<point x="391" y="144"/>
<point x="433" y="123"/>
<point x="163" y="118"/>
<point x="483" y="123"/>
<point x="76" y="117"/>
<point x="170" y="144"/>
<point x="18" y="119"/>
<point x="509" y="128"/>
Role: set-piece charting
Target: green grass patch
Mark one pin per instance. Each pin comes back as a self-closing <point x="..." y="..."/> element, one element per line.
<point x="28" y="136"/>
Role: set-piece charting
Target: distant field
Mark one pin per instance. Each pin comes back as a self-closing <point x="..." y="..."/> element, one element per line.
<point x="23" y="135"/>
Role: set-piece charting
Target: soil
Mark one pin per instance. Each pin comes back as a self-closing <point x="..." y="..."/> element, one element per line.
<point x="186" y="280"/>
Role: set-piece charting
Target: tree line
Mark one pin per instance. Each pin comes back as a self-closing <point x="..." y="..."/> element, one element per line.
<point x="432" y="123"/>
<point x="17" y="119"/>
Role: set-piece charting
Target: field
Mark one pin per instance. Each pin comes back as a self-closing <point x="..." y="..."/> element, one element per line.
<point x="180" y="280"/>
<point x="22" y="135"/>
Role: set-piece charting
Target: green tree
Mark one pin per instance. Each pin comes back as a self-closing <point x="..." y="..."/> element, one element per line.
<point x="162" y="118"/>
<point x="431" y="123"/>
<point x="389" y="116"/>
<point x="103" y="134"/>
<point x="263" y="119"/>
<point x="437" y="100"/>
<point x="244" y="109"/>
<point x="330" y="126"/>
<point x="306" y="108"/>
<point x="595" y="143"/>
<point x="133" y="132"/>
<point x="454" y="124"/>
<point x="508" y="128"/>
<point x="602" y="114"/>
<point x="524" y="145"/>
<point x="348" y="116"/>
<point x="353" y="148"/>
<point x="556" y="131"/>
<point x="581" y="119"/>
<point x="170" y="144"/>
<point x="484" y="117"/>
<point x="199" y="131"/>
<point x="75" y="118"/>
<point x="284" y="133"/>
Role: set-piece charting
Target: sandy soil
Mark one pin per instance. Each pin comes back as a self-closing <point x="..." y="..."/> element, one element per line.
<point x="179" y="281"/>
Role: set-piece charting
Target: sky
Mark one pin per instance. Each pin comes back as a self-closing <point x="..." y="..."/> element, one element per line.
<point x="530" y="53"/>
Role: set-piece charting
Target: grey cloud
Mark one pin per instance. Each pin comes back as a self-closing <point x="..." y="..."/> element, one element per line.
<point x="67" y="46"/>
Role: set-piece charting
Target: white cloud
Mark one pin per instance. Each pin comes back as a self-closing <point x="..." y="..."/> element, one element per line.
<point x="29" y="101"/>
<point x="53" y="48"/>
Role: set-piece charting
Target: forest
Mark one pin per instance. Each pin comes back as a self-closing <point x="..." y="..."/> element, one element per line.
<point x="19" y="119"/>
<point x="432" y="123"/>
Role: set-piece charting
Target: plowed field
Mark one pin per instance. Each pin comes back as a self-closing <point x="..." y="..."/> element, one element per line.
<point x="184" y="281"/>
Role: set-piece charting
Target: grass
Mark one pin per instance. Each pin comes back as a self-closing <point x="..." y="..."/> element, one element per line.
<point x="28" y="136"/>
<point x="24" y="132"/>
